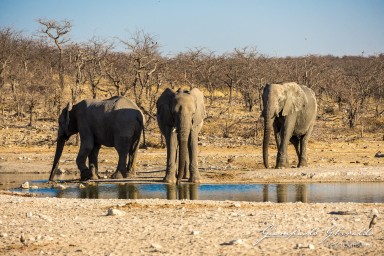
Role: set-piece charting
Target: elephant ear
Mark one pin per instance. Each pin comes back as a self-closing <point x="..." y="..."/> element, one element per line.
<point x="164" y="107"/>
<point x="200" y="113"/>
<point x="68" y="109"/>
<point x="296" y="98"/>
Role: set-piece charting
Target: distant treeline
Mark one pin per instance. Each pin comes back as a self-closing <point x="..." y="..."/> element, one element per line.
<point x="43" y="73"/>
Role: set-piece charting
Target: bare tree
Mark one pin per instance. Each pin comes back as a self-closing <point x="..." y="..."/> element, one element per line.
<point x="97" y="52"/>
<point x="144" y="60"/>
<point x="58" y="32"/>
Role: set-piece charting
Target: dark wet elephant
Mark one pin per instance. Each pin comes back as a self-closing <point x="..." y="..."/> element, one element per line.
<point x="116" y="122"/>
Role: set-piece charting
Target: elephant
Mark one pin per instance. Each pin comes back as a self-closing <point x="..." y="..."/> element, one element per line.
<point x="180" y="116"/>
<point x="291" y="110"/>
<point x="115" y="122"/>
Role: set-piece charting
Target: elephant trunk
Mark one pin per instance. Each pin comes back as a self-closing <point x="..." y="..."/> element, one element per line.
<point x="183" y="151"/>
<point x="59" y="150"/>
<point x="183" y="137"/>
<point x="267" y="133"/>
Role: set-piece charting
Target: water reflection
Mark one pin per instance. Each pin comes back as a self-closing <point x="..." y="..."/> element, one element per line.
<point x="186" y="191"/>
<point x="280" y="193"/>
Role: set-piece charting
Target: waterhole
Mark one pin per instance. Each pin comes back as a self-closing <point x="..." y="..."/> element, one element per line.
<point x="280" y="193"/>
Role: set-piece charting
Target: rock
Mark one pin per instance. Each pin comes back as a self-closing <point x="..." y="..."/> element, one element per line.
<point x="22" y="238"/>
<point x="235" y="242"/>
<point x="29" y="214"/>
<point x="237" y="205"/>
<point x="298" y="246"/>
<point x="156" y="246"/>
<point x="311" y="246"/>
<point x="81" y="186"/>
<point x="60" y="171"/>
<point x="61" y="187"/>
<point x="3" y="235"/>
<point x="25" y="185"/>
<point x="115" y="212"/>
<point x="379" y="154"/>
<point x="34" y="187"/>
<point x="195" y="232"/>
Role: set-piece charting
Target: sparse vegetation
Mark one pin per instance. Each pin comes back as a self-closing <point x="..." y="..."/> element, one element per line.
<point x="38" y="77"/>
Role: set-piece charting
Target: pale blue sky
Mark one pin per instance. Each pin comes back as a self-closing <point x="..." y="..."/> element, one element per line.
<point x="274" y="27"/>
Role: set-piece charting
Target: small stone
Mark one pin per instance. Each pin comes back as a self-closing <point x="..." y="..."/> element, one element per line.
<point x="81" y="186"/>
<point x="25" y="185"/>
<point x="60" y="171"/>
<point x="3" y="235"/>
<point x="22" y="238"/>
<point x="236" y="242"/>
<point x="195" y="232"/>
<point x="34" y="187"/>
<point x="237" y="205"/>
<point x="61" y="187"/>
<point x="29" y="214"/>
<point x="311" y="246"/>
<point x="115" y="212"/>
<point x="156" y="246"/>
<point x="298" y="246"/>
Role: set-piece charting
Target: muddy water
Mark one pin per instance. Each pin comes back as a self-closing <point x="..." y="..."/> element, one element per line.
<point x="306" y="193"/>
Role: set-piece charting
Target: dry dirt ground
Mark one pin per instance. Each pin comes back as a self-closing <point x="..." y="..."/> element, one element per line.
<point x="53" y="226"/>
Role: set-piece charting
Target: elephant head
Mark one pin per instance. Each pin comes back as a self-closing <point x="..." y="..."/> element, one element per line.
<point x="67" y="127"/>
<point x="279" y="100"/>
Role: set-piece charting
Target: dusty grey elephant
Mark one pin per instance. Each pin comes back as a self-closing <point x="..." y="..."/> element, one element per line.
<point x="116" y="122"/>
<point x="291" y="110"/>
<point x="180" y="117"/>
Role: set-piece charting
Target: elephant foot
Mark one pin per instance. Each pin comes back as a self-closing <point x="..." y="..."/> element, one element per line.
<point x="195" y="178"/>
<point x="282" y="164"/>
<point x="85" y="175"/>
<point x="93" y="170"/>
<point x="303" y="163"/>
<point x="170" y="178"/>
<point x="118" y="175"/>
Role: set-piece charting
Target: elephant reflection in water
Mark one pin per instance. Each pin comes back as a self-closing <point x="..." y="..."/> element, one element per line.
<point x="127" y="191"/>
<point x="282" y="193"/>
<point x="185" y="191"/>
<point x="91" y="191"/>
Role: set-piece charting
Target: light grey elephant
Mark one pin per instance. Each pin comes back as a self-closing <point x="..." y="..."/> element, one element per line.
<point x="180" y="116"/>
<point x="116" y="122"/>
<point x="291" y="110"/>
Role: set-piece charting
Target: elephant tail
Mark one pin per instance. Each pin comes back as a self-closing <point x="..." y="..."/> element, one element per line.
<point x="142" y="129"/>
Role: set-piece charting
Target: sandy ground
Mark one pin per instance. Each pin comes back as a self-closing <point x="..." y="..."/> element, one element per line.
<point x="52" y="226"/>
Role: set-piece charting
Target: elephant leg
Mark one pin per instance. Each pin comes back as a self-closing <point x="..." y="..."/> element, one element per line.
<point x="303" y="148"/>
<point x="277" y="131"/>
<point x="86" y="146"/>
<point x="193" y="157"/>
<point x="282" y="154"/>
<point x="93" y="161"/>
<point x="122" y="145"/>
<point x="131" y="167"/>
<point x="171" y="141"/>
<point x="296" y="143"/>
